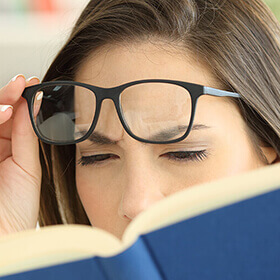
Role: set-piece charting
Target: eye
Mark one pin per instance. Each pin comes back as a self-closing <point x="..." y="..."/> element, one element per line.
<point x="94" y="160"/>
<point x="175" y="156"/>
<point x="187" y="155"/>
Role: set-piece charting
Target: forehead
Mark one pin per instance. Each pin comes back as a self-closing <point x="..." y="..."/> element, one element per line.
<point x="116" y="64"/>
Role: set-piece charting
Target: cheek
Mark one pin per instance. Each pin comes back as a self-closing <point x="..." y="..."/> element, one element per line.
<point x="98" y="198"/>
<point x="90" y="197"/>
<point x="233" y="152"/>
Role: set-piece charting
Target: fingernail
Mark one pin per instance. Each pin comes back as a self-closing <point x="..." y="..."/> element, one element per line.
<point x="14" y="78"/>
<point x="40" y="95"/>
<point x="33" y="77"/>
<point x="6" y="107"/>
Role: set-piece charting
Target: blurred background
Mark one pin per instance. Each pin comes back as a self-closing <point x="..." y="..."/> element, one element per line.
<point x="32" y="31"/>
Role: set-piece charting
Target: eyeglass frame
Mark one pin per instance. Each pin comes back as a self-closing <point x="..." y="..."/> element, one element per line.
<point x="113" y="93"/>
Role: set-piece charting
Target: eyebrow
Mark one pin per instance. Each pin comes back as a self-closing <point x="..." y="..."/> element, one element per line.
<point x="100" y="139"/>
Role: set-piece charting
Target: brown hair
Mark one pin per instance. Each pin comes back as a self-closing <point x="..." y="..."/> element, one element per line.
<point x="238" y="39"/>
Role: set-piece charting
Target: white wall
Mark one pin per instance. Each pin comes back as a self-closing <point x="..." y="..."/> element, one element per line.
<point x="29" y="42"/>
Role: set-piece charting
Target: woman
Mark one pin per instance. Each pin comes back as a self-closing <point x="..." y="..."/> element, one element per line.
<point x="108" y="179"/>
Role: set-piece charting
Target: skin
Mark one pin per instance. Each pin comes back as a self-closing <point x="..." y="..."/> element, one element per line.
<point x="137" y="175"/>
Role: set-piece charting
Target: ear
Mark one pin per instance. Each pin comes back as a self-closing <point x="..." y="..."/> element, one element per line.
<point x="271" y="155"/>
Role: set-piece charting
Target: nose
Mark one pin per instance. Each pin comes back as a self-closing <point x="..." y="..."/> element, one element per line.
<point x="141" y="184"/>
<point x="142" y="187"/>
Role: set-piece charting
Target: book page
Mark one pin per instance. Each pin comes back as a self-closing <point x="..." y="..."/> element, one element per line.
<point x="203" y="198"/>
<point x="54" y="245"/>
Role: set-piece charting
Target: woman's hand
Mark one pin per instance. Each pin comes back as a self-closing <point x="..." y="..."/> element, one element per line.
<point x="20" y="169"/>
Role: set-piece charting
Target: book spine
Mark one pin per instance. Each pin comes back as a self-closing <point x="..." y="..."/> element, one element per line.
<point x="134" y="263"/>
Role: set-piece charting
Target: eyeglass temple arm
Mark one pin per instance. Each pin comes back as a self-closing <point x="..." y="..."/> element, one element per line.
<point x="219" y="92"/>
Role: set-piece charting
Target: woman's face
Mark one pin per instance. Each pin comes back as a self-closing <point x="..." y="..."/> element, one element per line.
<point x="129" y="176"/>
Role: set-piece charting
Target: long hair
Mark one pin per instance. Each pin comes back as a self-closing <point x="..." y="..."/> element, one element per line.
<point x="238" y="39"/>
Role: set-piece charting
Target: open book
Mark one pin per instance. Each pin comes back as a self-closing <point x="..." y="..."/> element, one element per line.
<point x="225" y="229"/>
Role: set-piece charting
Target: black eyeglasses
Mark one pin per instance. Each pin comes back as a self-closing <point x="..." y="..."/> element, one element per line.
<point x="151" y="111"/>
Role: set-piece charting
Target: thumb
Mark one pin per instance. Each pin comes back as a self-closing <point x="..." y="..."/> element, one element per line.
<point x="25" y="145"/>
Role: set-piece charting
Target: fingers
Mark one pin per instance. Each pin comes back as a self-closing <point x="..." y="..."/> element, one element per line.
<point x="6" y="112"/>
<point x="10" y="95"/>
<point x="31" y="82"/>
<point x="25" y="148"/>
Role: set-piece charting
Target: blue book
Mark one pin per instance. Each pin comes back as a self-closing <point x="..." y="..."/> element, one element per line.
<point x="222" y="230"/>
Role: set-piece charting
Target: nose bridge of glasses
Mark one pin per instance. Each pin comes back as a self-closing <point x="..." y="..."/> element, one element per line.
<point x="107" y="93"/>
